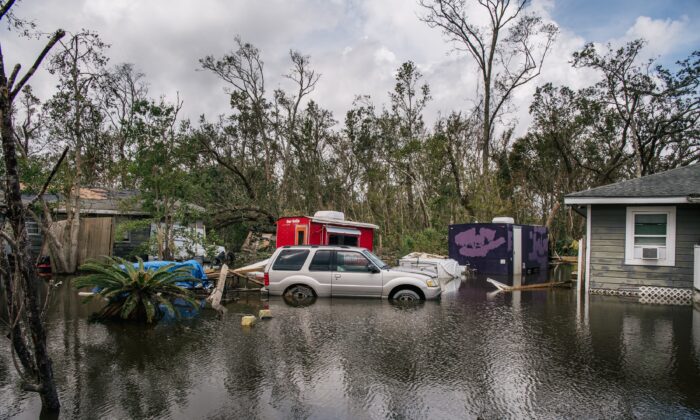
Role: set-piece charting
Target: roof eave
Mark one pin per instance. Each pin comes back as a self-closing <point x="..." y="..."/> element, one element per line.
<point x="342" y="222"/>
<point x="626" y="200"/>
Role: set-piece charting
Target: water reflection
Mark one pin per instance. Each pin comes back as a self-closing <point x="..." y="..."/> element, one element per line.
<point x="472" y="354"/>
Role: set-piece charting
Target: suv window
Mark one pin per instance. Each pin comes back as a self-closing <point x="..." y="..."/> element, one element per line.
<point x="321" y="261"/>
<point x="290" y="260"/>
<point x="352" y="262"/>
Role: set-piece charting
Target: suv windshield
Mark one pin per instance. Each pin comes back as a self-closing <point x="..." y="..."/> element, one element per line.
<point x="376" y="260"/>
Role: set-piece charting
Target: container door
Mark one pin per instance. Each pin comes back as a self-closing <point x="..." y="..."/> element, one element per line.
<point x="352" y="277"/>
<point x="301" y="233"/>
<point x="517" y="256"/>
<point x="697" y="269"/>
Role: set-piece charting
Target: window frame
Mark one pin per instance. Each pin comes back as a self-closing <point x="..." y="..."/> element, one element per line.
<point x="348" y="251"/>
<point x="32" y="228"/>
<point x="276" y="267"/>
<point x="125" y="239"/>
<point x="331" y="261"/>
<point x="305" y="230"/>
<point x="670" y="259"/>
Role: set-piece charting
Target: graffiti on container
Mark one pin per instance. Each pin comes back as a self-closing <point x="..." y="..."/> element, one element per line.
<point x="479" y="243"/>
<point x="539" y="247"/>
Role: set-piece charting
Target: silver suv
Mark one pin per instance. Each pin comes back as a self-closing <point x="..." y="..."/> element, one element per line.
<point x="343" y="271"/>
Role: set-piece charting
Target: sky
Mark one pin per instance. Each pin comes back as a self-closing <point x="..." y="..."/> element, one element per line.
<point x="356" y="45"/>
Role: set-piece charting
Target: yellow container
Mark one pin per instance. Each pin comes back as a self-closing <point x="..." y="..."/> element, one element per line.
<point x="248" y="321"/>
<point x="264" y="313"/>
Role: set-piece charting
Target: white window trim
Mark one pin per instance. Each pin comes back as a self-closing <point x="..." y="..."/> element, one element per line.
<point x="670" y="260"/>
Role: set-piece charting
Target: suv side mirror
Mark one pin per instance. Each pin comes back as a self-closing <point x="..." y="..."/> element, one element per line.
<point x="373" y="268"/>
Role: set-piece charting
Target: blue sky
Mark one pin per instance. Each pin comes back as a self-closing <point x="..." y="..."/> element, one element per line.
<point x="601" y="20"/>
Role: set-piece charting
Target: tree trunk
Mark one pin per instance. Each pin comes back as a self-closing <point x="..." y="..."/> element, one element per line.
<point x="552" y="214"/>
<point x="486" y="134"/>
<point x="25" y="270"/>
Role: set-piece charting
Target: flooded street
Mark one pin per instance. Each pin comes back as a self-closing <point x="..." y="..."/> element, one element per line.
<point x="472" y="354"/>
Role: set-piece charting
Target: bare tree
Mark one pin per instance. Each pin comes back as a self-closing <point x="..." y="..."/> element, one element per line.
<point x="509" y="50"/>
<point x="75" y="120"/>
<point x="121" y="90"/>
<point x="27" y="331"/>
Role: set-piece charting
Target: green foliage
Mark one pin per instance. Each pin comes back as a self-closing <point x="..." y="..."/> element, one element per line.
<point x="135" y="293"/>
<point x="277" y="152"/>
<point x="566" y="247"/>
<point x="429" y="240"/>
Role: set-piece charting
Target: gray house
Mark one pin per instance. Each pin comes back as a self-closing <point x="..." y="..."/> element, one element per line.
<point x="642" y="235"/>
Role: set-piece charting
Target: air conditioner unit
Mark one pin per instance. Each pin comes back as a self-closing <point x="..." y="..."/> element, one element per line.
<point x="650" y="253"/>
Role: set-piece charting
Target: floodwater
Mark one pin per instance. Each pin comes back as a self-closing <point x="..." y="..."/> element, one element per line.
<point x="544" y="354"/>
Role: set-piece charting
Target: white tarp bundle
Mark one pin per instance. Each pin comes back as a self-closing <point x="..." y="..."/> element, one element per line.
<point x="254" y="270"/>
<point x="443" y="267"/>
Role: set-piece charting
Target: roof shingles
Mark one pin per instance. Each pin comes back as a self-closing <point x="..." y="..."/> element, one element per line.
<point x="679" y="182"/>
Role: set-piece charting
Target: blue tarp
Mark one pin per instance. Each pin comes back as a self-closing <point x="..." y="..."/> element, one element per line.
<point x="196" y="270"/>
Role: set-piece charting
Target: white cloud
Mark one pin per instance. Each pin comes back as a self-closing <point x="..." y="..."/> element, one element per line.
<point x="356" y="45"/>
<point x="663" y="36"/>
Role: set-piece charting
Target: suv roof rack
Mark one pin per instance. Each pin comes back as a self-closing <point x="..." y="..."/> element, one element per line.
<point x="302" y="246"/>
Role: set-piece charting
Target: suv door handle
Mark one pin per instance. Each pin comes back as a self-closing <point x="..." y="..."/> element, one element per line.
<point x="337" y="276"/>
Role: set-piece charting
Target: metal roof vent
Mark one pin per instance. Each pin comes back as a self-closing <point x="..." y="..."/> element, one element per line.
<point x="502" y="219"/>
<point x="329" y="214"/>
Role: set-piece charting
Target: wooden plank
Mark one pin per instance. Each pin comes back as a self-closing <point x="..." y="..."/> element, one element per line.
<point x="215" y="297"/>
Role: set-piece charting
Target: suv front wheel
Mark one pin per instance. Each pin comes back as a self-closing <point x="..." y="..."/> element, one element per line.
<point x="406" y="295"/>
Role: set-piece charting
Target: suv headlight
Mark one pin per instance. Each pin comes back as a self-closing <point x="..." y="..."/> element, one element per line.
<point x="432" y="283"/>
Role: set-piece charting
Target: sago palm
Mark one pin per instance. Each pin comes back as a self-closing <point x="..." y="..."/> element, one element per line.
<point x="135" y="293"/>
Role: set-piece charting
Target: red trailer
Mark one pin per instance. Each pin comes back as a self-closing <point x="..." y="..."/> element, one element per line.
<point x="324" y="228"/>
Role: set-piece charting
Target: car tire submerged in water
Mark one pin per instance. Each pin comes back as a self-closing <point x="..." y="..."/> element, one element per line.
<point x="299" y="295"/>
<point x="406" y="295"/>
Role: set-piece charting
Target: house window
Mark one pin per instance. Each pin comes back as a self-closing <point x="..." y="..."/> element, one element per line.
<point x="32" y="227"/>
<point x="650" y="236"/>
<point x="342" y="240"/>
<point x="125" y="236"/>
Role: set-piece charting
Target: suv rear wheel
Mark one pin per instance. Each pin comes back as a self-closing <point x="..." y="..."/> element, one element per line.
<point x="299" y="295"/>
<point x="406" y="295"/>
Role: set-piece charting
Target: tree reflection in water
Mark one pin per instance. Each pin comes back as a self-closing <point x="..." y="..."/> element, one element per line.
<point x="472" y="354"/>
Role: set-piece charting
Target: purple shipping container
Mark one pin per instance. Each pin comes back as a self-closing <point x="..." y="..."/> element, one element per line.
<point x="493" y="248"/>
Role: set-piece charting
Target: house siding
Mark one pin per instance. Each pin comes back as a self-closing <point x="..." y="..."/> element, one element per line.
<point x="608" y="268"/>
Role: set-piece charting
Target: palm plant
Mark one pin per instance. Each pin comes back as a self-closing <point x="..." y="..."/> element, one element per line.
<point x="135" y="293"/>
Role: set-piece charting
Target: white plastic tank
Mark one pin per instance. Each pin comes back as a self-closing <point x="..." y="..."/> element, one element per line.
<point x="503" y="219"/>
<point x="329" y="214"/>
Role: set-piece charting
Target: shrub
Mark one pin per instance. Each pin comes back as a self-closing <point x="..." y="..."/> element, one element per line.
<point x="135" y="293"/>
